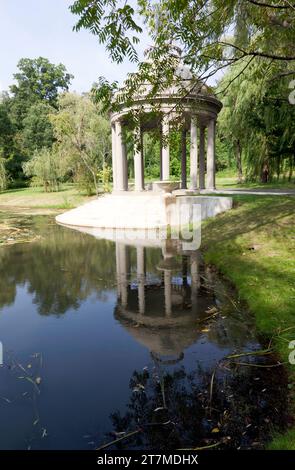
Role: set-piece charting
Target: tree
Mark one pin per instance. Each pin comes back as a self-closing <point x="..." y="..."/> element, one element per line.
<point x="3" y="174"/>
<point x="151" y="149"/>
<point x="6" y="126"/>
<point x="231" y="121"/>
<point x="83" y="138"/>
<point x="24" y="121"/>
<point x="9" y="140"/>
<point x="257" y="119"/>
<point x="259" y="29"/>
<point x="111" y="22"/>
<point x="46" y="168"/>
<point x="38" y="80"/>
<point x="37" y="128"/>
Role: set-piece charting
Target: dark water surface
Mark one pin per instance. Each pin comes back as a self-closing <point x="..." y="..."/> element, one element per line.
<point x="101" y="339"/>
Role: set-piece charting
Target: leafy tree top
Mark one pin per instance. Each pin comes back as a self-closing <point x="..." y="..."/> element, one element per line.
<point x="40" y="80"/>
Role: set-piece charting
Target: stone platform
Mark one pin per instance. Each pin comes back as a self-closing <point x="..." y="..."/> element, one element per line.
<point x="144" y="210"/>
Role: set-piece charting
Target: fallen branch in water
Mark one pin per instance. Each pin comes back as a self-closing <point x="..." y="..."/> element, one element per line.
<point x="260" y="352"/>
<point x="249" y="364"/>
<point x="208" y="318"/>
<point x="211" y="388"/>
<point x="204" y="447"/>
<point x="130" y="434"/>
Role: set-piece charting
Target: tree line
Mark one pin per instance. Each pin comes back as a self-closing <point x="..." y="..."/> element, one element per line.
<point x="49" y="135"/>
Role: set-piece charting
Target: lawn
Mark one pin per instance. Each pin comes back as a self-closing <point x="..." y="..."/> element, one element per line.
<point x="227" y="179"/>
<point x="254" y="246"/>
<point x="35" y="198"/>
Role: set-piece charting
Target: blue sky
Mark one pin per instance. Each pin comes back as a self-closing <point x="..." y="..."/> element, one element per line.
<point x="33" y="28"/>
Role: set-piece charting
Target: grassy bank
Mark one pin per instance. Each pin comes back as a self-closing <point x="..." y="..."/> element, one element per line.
<point x="35" y="198"/>
<point x="253" y="245"/>
<point x="227" y="179"/>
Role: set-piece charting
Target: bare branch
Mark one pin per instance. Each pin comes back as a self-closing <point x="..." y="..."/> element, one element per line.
<point x="235" y="78"/>
<point x="271" y="5"/>
<point x="257" y="53"/>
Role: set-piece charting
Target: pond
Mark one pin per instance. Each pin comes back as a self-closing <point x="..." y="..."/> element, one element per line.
<point x="104" y="339"/>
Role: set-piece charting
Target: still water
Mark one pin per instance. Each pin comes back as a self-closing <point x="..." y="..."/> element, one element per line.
<point x="102" y="339"/>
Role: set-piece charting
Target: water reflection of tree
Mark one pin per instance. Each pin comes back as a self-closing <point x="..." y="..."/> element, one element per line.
<point x="60" y="270"/>
<point x="246" y="406"/>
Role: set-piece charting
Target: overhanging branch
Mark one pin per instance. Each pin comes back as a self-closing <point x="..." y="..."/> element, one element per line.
<point x="257" y="53"/>
<point x="271" y="5"/>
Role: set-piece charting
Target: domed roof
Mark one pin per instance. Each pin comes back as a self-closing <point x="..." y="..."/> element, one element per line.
<point x="184" y="72"/>
<point x="184" y="89"/>
<point x="184" y="78"/>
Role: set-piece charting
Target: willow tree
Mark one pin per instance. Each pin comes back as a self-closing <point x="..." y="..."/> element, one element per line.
<point x="258" y="120"/>
<point x="82" y="138"/>
<point x="45" y="168"/>
<point x="231" y="121"/>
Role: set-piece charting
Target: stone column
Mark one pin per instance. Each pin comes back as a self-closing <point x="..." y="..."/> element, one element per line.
<point x="118" y="271"/>
<point x="211" y="156"/>
<point x="124" y="270"/>
<point x="125" y="165"/>
<point x="165" y="151"/>
<point x="140" y="278"/>
<point x="142" y="156"/>
<point x="168" y="292"/>
<point x="194" y="155"/>
<point x="138" y="161"/>
<point x="183" y="159"/>
<point x="161" y="155"/>
<point x="114" y="156"/>
<point x="121" y="159"/>
<point x="202" y="158"/>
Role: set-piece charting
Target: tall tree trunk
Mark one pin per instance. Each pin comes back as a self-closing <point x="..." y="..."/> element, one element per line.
<point x="91" y="171"/>
<point x="238" y="151"/>
<point x="265" y="172"/>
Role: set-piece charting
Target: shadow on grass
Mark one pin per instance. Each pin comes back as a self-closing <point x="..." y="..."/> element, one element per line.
<point x="263" y="212"/>
<point x="264" y="277"/>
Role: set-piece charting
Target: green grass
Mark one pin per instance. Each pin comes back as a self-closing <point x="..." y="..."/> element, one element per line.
<point x="283" y="442"/>
<point x="254" y="246"/>
<point x="35" y="198"/>
<point x="227" y="179"/>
